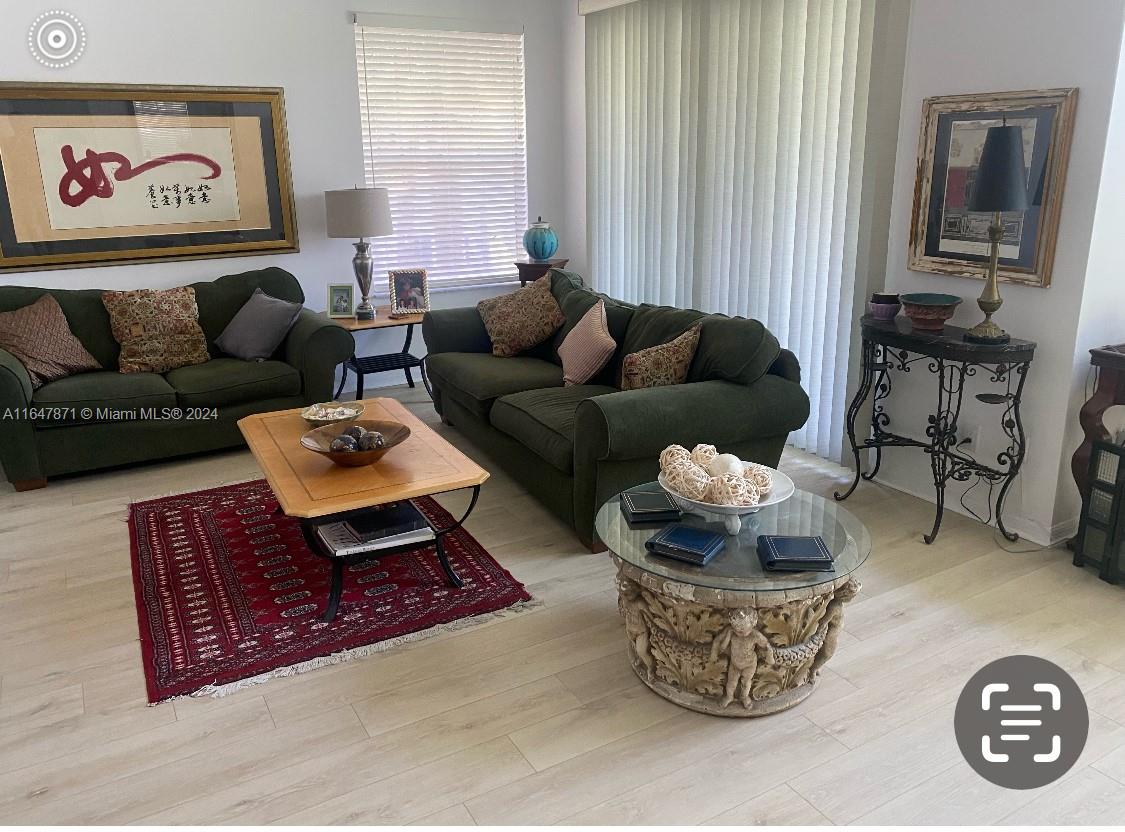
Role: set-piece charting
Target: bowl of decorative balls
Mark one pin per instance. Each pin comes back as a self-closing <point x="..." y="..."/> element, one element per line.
<point x="357" y="443"/>
<point x="704" y="481"/>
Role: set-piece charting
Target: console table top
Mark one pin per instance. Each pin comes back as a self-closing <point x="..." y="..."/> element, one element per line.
<point x="949" y="343"/>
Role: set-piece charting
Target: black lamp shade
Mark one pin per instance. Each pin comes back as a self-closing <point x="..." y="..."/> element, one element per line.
<point x="1001" y="183"/>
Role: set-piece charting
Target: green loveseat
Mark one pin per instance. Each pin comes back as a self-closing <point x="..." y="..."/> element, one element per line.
<point x="575" y="447"/>
<point x="106" y="418"/>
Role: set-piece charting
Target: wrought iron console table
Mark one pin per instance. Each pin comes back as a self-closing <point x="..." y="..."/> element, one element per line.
<point x="895" y="346"/>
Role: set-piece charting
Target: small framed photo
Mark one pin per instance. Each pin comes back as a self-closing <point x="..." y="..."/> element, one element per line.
<point x="410" y="291"/>
<point x="341" y="300"/>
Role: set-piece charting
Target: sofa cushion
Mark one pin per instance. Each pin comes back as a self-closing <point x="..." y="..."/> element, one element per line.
<point x="522" y="319"/>
<point x="226" y="381"/>
<point x="39" y="336"/>
<point x="543" y="420"/>
<point x="158" y="329"/>
<point x="575" y="304"/>
<point x="662" y="365"/>
<point x="652" y="325"/>
<point x="259" y="327"/>
<point x="101" y="396"/>
<point x="477" y="379"/>
<point x="740" y="350"/>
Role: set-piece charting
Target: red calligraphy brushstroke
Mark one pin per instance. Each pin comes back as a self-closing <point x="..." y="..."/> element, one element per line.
<point x="90" y="175"/>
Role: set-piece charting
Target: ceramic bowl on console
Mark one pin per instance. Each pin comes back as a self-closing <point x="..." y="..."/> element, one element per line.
<point x="320" y="441"/>
<point x="883" y="306"/>
<point x="928" y="311"/>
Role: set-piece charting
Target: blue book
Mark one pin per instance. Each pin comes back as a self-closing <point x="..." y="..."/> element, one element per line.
<point x="686" y="543"/>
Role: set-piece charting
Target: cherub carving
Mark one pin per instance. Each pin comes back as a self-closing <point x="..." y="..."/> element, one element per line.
<point x="832" y="622"/>
<point x="631" y="604"/>
<point x="742" y="643"/>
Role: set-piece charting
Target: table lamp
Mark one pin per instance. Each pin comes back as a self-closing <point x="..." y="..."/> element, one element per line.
<point x="362" y="213"/>
<point x="1001" y="185"/>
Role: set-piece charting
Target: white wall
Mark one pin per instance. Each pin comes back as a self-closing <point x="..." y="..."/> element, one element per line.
<point x="965" y="46"/>
<point x="305" y="46"/>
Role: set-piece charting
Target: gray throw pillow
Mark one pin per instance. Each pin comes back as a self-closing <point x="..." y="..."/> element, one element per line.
<point x="259" y="327"/>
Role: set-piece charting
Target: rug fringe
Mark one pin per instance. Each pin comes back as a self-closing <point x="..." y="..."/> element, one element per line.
<point x="219" y="691"/>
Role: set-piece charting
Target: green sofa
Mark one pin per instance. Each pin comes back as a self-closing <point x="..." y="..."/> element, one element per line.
<point x="46" y="432"/>
<point x="575" y="447"/>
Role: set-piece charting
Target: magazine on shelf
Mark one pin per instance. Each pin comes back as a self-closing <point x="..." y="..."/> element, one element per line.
<point x="384" y="527"/>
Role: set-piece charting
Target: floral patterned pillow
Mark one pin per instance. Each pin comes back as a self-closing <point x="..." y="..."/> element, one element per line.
<point x="523" y="319"/>
<point x="158" y="329"/>
<point x="661" y="365"/>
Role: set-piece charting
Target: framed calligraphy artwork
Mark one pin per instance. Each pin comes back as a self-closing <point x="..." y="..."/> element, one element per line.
<point x="93" y="174"/>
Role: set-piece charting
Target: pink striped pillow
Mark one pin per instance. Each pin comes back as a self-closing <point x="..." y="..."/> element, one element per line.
<point x="587" y="347"/>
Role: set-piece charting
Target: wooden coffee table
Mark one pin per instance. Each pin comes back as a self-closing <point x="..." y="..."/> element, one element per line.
<point x="312" y="489"/>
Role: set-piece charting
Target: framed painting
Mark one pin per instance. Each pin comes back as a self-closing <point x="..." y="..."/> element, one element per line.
<point x="948" y="239"/>
<point x="341" y="300"/>
<point x="410" y="291"/>
<point x="92" y="174"/>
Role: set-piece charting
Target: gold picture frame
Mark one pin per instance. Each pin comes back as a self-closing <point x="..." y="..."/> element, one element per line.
<point x="94" y="174"/>
<point x="410" y="291"/>
<point x="946" y="238"/>
<point x="338" y="292"/>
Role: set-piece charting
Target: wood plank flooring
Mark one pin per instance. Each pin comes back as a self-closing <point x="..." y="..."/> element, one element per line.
<point x="536" y="718"/>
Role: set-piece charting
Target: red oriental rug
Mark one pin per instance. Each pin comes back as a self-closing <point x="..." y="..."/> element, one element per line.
<point x="228" y="593"/>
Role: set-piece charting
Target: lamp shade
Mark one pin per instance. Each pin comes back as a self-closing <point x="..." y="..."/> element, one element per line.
<point x="358" y="212"/>
<point x="1001" y="183"/>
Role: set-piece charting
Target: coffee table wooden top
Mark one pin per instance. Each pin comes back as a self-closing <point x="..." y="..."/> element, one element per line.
<point x="309" y="485"/>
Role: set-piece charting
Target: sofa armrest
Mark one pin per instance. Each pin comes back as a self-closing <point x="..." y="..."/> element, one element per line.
<point x="638" y="424"/>
<point x="455" y="330"/>
<point x="315" y="345"/>
<point x="19" y="454"/>
<point x="787" y="366"/>
<point x="16" y="389"/>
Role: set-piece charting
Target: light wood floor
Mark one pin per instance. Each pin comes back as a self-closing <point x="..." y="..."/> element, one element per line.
<point x="536" y="718"/>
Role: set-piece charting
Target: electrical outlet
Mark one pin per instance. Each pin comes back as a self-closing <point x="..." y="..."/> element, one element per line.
<point x="968" y="438"/>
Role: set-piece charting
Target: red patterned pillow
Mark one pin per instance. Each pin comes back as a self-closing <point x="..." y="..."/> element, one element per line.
<point x="519" y="321"/>
<point x="40" y="337"/>
<point x="158" y="329"/>
<point x="661" y="365"/>
<point x="587" y="347"/>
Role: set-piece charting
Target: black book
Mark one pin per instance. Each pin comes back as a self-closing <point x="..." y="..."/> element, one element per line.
<point x="783" y="553"/>
<point x="384" y="521"/>
<point x="641" y="507"/>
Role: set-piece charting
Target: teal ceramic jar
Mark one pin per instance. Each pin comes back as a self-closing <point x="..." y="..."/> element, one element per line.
<point x="540" y="241"/>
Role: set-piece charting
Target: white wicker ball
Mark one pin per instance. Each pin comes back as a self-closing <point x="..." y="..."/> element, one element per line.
<point x="724" y="464"/>
<point x="701" y="455"/>
<point x="760" y="475"/>
<point x="673" y="454"/>
<point x="687" y="479"/>
<point x="731" y="490"/>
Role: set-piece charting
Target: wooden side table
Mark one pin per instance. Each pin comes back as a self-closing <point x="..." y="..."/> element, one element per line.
<point x="1110" y="361"/>
<point x="532" y="270"/>
<point x="385" y="362"/>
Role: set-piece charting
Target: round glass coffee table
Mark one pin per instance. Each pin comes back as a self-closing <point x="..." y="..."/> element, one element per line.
<point x="730" y="638"/>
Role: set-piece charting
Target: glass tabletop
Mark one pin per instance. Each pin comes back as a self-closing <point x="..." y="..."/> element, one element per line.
<point x="737" y="566"/>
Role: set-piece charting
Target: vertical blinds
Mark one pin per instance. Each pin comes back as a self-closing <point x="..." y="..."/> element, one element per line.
<point x="725" y="145"/>
<point x="443" y="130"/>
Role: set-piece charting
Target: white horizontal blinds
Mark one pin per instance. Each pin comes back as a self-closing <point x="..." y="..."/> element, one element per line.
<point x="443" y="130"/>
<point x="724" y="159"/>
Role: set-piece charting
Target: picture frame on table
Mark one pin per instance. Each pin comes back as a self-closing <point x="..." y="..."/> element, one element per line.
<point x="93" y="174"/>
<point x="410" y="291"/>
<point x="341" y="300"/>
<point x="945" y="238"/>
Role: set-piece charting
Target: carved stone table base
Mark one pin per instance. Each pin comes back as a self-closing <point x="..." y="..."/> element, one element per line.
<point x="730" y="653"/>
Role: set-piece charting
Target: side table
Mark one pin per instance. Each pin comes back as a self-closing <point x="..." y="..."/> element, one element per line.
<point x="896" y="345"/>
<point x="532" y="270"/>
<point x="402" y="360"/>
<point x="1110" y="391"/>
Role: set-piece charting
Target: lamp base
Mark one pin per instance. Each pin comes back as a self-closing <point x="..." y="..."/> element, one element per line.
<point x="986" y="332"/>
<point x="365" y="314"/>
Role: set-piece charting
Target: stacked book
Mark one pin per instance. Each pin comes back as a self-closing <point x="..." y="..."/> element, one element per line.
<point x="383" y="527"/>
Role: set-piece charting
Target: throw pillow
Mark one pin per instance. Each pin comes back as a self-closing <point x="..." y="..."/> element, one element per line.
<point x="519" y="321"/>
<point x="587" y="347"/>
<point x="40" y="337"/>
<point x="158" y="329"/>
<point x="259" y="327"/>
<point x="661" y="365"/>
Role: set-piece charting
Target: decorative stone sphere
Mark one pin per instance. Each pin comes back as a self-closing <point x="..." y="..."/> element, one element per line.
<point x="673" y="454"/>
<point x="731" y="490"/>
<point x="724" y="464"/>
<point x="760" y="475"/>
<point x="702" y="455"/>
<point x="687" y="479"/>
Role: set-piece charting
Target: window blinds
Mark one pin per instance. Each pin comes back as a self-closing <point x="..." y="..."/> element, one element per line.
<point x="725" y="156"/>
<point x="442" y="116"/>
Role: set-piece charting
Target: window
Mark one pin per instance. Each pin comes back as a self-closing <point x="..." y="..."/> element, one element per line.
<point x="442" y="115"/>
